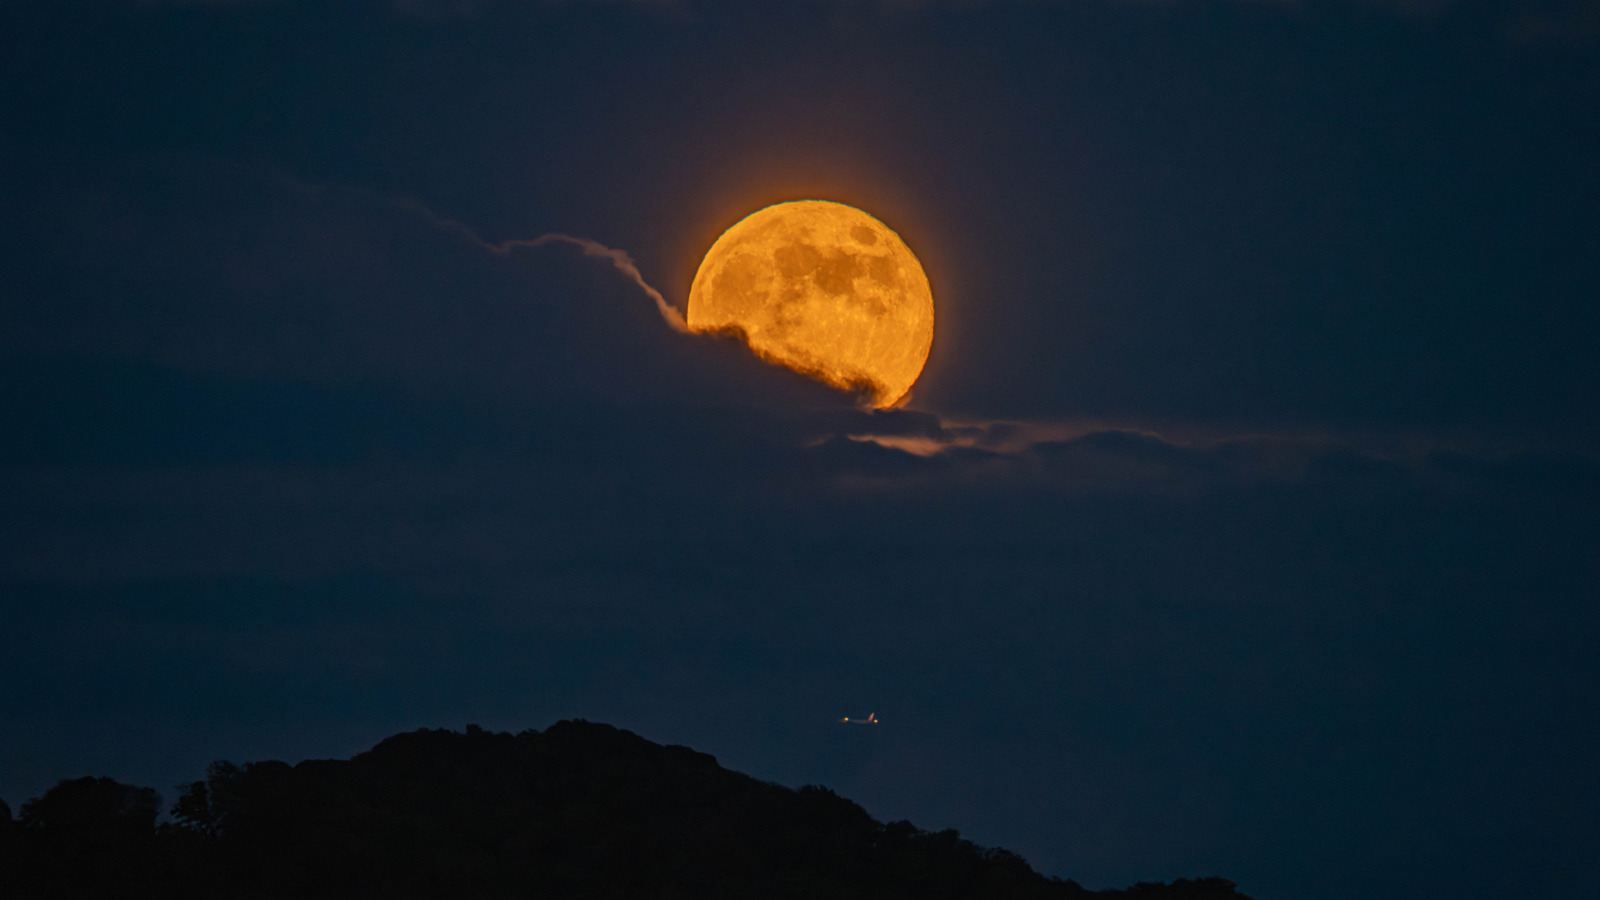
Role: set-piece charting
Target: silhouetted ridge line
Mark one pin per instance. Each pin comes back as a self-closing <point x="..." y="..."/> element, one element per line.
<point x="581" y="810"/>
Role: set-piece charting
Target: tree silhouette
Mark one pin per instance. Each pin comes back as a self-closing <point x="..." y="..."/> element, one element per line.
<point x="6" y="840"/>
<point x="93" y="814"/>
<point x="88" y="837"/>
<point x="580" y="810"/>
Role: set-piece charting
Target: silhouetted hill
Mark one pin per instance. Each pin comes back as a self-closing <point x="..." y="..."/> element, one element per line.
<point x="579" y="811"/>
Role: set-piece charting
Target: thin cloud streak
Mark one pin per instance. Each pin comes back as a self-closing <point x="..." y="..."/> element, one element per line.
<point x="618" y="259"/>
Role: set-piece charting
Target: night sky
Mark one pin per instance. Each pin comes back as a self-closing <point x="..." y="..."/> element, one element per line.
<point x="1243" y="523"/>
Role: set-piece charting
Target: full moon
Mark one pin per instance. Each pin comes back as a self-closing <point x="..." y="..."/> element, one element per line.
<point x="824" y="289"/>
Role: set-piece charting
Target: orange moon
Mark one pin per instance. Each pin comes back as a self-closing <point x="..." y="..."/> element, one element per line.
<point x="824" y="289"/>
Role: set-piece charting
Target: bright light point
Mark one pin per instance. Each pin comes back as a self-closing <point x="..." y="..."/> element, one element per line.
<point x="824" y="289"/>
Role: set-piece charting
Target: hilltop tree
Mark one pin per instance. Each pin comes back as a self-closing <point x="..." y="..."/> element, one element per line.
<point x="580" y="810"/>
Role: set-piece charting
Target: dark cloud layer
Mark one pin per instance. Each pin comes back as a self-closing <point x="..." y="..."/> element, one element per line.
<point x="257" y="316"/>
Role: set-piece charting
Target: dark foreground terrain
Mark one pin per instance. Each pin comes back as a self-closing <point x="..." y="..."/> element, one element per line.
<point x="580" y="810"/>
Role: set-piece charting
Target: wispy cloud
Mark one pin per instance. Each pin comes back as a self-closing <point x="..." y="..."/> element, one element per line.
<point x="619" y="259"/>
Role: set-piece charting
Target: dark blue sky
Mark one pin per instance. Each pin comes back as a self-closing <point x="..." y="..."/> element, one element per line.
<point x="1253" y="528"/>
